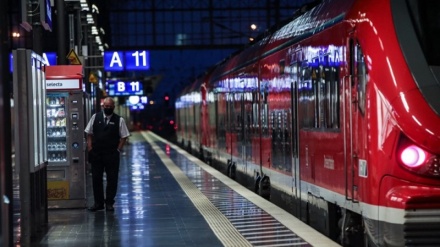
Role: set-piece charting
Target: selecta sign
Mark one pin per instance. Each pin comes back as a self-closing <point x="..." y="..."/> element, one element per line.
<point x="126" y="60"/>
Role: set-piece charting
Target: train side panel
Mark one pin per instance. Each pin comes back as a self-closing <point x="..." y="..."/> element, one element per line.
<point x="339" y="118"/>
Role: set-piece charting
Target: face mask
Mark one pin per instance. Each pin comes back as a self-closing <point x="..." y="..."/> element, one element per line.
<point x="108" y="111"/>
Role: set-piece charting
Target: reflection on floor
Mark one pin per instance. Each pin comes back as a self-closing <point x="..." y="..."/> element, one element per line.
<point x="169" y="198"/>
<point x="150" y="210"/>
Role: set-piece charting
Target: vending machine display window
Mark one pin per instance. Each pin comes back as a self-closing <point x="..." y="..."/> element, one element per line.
<point x="56" y="128"/>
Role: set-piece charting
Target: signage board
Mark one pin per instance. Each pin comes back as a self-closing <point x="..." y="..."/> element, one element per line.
<point x="124" y="88"/>
<point x="49" y="58"/>
<point x="126" y="60"/>
<point x="137" y="60"/>
<point x="73" y="58"/>
<point x="46" y="14"/>
<point x="113" y="61"/>
<point x="63" y="84"/>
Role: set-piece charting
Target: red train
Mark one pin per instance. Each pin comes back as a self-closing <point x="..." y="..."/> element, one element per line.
<point x="336" y="115"/>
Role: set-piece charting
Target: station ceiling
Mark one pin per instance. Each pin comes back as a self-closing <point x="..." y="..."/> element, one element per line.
<point x="186" y="37"/>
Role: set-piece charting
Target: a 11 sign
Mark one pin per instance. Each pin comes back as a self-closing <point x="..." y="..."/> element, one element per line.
<point x="126" y="60"/>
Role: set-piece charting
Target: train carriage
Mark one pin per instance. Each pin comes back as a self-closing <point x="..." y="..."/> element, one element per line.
<point x="337" y="115"/>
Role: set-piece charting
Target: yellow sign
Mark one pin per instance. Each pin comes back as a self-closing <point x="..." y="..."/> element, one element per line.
<point x="73" y="58"/>
<point x="92" y="78"/>
<point x="57" y="190"/>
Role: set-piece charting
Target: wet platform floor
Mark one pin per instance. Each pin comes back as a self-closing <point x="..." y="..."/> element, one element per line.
<point x="166" y="197"/>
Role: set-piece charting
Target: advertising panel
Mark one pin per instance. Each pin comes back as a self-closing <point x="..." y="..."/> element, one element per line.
<point x="65" y="113"/>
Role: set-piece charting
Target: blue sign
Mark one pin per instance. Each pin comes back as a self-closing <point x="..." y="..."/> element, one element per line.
<point x="113" y="61"/>
<point x="126" y="60"/>
<point x="124" y="88"/>
<point x="46" y="14"/>
<point x="49" y="58"/>
<point x="137" y="60"/>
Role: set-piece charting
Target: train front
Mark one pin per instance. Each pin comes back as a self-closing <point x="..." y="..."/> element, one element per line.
<point x="402" y="53"/>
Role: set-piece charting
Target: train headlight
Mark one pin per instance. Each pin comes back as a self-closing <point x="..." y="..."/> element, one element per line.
<point x="416" y="159"/>
<point x="413" y="156"/>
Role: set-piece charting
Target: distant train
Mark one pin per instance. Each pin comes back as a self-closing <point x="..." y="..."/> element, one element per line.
<point x="336" y="115"/>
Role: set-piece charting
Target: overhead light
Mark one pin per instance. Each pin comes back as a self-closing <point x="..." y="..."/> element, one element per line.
<point x="98" y="40"/>
<point x="95" y="9"/>
<point x="90" y="19"/>
<point x="94" y="30"/>
<point x="84" y="5"/>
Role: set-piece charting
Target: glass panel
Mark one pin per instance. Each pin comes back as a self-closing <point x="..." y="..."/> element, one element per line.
<point x="362" y="78"/>
<point x="425" y="16"/>
<point x="56" y="128"/>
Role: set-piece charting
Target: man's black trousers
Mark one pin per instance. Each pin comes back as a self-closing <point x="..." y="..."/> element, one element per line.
<point x="107" y="162"/>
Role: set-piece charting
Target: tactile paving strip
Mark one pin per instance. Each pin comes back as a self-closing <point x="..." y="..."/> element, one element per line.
<point x="254" y="224"/>
<point x="221" y="226"/>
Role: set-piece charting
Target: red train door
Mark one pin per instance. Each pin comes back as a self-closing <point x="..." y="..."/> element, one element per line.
<point x="355" y="129"/>
<point x="296" y="178"/>
<point x="295" y="64"/>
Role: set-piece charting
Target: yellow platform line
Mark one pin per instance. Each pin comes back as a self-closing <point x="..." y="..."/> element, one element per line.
<point x="220" y="225"/>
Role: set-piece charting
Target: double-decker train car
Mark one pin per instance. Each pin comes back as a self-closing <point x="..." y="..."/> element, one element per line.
<point x="336" y="116"/>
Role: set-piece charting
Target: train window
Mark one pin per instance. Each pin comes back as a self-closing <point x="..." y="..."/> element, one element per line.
<point x="321" y="97"/>
<point x="264" y="113"/>
<point x="272" y="125"/>
<point x="425" y="17"/>
<point x="318" y="92"/>
<point x="229" y="113"/>
<point x="362" y="78"/>
<point x="306" y="99"/>
<point x="255" y="115"/>
<point x="334" y="101"/>
<point x="221" y="120"/>
<point x="264" y="119"/>
<point x="331" y="105"/>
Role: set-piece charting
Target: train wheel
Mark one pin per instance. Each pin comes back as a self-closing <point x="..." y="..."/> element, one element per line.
<point x="232" y="170"/>
<point x="264" y="187"/>
<point x="201" y="154"/>
<point x="257" y="183"/>
<point x="367" y="241"/>
<point x="352" y="230"/>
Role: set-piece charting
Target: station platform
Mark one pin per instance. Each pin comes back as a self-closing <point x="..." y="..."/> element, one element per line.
<point x="166" y="197"/>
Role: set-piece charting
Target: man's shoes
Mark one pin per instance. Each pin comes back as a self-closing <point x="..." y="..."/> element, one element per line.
<point x="109" y="208"/>
<point x="96" y="207"/>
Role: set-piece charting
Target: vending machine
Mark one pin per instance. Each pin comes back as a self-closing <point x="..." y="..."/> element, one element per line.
<point x="65" y="114"/>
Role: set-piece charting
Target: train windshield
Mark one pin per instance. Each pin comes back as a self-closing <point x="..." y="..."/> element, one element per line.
<point x="425" y="16"/>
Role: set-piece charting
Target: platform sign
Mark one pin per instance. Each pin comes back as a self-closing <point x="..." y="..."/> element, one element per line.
<point x="126" y="60"/>
<point x="124" y="88"/>
<point x="46" y="14"/>
<point x="113" y="61"/>
<point x="137" y="60"/>
<point x="49" y="59"/>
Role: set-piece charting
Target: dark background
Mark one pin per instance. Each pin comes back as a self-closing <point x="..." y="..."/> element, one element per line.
<point x="184" y="37"/>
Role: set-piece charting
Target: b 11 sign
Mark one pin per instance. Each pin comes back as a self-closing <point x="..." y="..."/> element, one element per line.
<point x="124" y="88"/>
<point x="126" y="60"/>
